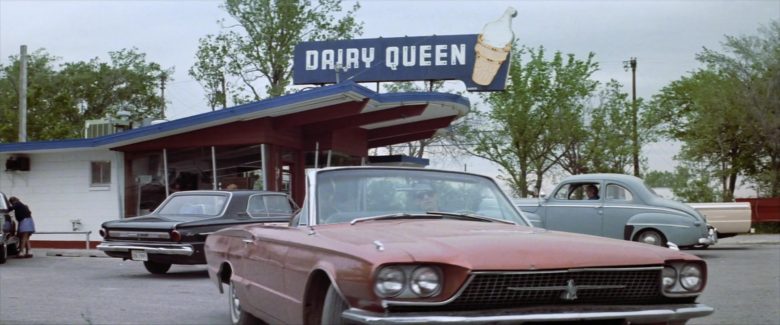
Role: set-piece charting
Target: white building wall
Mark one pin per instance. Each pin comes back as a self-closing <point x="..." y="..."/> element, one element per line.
<point x="57" y="190"/>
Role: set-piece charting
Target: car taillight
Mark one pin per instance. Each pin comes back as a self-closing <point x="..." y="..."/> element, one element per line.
<point x="175" y="235"/>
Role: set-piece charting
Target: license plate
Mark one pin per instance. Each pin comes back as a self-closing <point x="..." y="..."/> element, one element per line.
<point x="137" y="255"/>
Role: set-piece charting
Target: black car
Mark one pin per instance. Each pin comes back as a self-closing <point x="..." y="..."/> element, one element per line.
<point x="174" y="233"/>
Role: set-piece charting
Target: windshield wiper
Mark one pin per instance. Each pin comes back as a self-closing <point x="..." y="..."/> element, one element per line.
<point x="470" y="216"/>
<point x="382" y="216"/>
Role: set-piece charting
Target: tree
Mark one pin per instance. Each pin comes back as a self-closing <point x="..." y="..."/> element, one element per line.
<point x="61" y="98"/>
<point x="260" y="46"/>
<point x="753" y="63"/>
<point x="598" y="143"/>
<point x="701" y="111"/>
<point x="535" y="118"/>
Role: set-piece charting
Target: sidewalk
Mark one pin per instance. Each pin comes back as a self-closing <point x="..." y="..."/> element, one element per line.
<point x="750" y="239"/>
<point x="746" y="239"/>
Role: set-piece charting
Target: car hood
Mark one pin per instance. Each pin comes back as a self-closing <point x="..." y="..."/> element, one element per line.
<point x="488" y="246"/>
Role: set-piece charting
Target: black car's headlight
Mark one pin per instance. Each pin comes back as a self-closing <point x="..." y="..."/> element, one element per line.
<point x="680" y="279"/>
<point x="408" y="281"/>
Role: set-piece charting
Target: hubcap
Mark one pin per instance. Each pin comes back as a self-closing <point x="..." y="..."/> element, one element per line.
<point x="235" y="305"/>
<point x="650" y="238"/>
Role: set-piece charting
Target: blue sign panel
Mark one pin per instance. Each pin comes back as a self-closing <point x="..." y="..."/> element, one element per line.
<point x="452" y="57"/>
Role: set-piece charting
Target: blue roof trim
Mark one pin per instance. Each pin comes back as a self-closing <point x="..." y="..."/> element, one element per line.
<point x="194" y="120"/>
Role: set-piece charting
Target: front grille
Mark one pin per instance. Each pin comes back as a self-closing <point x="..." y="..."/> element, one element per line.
<point x="489" y="290"/>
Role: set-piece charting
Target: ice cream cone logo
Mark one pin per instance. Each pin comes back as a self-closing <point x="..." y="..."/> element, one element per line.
<point x="493" y="47"/>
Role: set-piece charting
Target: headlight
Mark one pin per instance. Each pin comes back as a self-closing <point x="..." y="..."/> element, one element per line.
<point x="690" y="277"/>
<point x="669" y="277"/>
<point x="390" y="282"/>
<point x="425" y="281"/>
<point x="683" y="278"/>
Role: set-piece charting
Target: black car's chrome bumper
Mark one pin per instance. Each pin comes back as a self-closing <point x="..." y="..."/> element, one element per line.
<point x="156" y="248"/>
<point x="635" y="314"/>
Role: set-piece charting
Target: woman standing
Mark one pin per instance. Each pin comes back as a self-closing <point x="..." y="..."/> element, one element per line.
<point x="26" y="225"/>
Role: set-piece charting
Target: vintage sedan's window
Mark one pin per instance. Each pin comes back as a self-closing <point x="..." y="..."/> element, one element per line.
<point x="618" y="193"/>
<point x="343" y="195"/>
<point x="264" y="205"/>
<point x="563" y="192"/>
<point x="194" y="205"/>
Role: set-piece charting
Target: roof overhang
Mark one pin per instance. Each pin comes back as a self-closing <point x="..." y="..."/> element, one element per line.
<point x="377" y="113"/>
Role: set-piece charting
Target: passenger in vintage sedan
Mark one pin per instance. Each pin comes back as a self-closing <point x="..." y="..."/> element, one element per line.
<point x="624" y="208"/>
<point x="374" y="256"/>
<point x="174" y="233"/>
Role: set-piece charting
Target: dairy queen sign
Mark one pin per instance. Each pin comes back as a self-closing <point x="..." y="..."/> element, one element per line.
<point x="481" y="61"/>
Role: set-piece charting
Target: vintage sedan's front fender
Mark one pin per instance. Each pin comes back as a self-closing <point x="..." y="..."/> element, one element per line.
<point x="683" y="230"/>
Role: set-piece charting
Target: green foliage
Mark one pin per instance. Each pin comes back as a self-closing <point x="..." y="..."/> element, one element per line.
<point x="60" y="98"/>
<point x="694" y="184"/>
<point x="656" y="178"/>
<point x="259" y="48"/>
<point x="728" y="114"/>
<point x="601" y="142"/>
<point x="535" y="118"/>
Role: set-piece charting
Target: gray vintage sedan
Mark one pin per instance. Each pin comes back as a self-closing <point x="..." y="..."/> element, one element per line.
<point x="618" y="206"/>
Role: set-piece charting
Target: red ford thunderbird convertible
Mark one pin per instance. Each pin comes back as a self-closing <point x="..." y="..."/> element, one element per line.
<point x="396" y="245"/>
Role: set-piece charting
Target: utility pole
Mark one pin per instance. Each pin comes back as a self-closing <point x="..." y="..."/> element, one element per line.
<point x="23" y="93"/>
<point x="163" y="77"/>
<point x="634" y="114"/>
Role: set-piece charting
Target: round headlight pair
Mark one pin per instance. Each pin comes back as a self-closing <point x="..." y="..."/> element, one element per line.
<point x="424" y="281"/>
<point x="689" y="277"/>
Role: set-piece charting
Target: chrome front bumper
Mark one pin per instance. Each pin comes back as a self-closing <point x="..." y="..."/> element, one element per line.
<point x="712" y="237"/>
<point x="634" y="314"/>
<point x="165" y="249"/>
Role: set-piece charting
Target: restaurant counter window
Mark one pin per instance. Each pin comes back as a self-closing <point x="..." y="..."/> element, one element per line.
<point x="100" y="173"/>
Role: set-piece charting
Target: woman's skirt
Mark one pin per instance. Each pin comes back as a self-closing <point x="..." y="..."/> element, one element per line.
<point x="27" y="225"/>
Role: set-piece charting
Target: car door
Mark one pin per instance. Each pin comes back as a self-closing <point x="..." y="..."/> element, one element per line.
<point x="620" y="204"/>
<point x="568" y="210"/>
<point x="264" y="269"/>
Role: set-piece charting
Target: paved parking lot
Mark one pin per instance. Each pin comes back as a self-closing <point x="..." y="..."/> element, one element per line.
<point x="70" y="287"/>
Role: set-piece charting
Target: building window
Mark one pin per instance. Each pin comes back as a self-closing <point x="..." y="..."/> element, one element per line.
<point x="101" y="173"/>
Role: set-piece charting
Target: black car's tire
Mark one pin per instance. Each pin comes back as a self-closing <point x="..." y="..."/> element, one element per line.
<point x="157" y="268"/>
<point x="651" y="237"/>
<point x="239" y="316"/>
<point x="332" y="308"/>
<point x="3" y="253"/>
<point x="12" y="250"/>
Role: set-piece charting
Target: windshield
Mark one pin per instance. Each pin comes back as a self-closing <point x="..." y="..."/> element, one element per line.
<point x="195" y="205"/>
<point x="347" y="194"/>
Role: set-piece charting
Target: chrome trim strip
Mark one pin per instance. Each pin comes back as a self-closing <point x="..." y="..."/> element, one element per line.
<point x="558" y="288"/>
<point x="575" y="205"/>
<point x="657" y="224"/>
<point x="165" y="249"/>
<point x="629" y="313"/>
<point x="644" y="207"/>
<point x="386" y="303"/>
<point x="648" y="268"/>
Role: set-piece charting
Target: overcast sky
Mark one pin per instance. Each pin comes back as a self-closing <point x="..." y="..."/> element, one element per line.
<point x="664" y="36"/>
